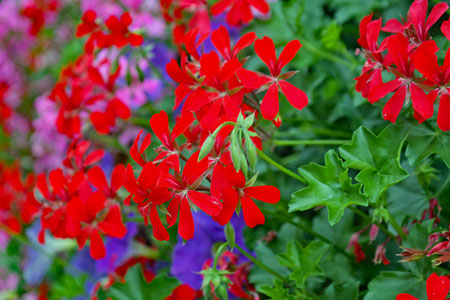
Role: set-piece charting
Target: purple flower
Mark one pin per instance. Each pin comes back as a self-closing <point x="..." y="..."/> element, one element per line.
<point x="188" y="259"/>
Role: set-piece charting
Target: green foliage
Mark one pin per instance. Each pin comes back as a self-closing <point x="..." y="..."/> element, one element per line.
<point x="388" y="285"/>
<point x="67" y="287"/>
<point x="377" y="158"/>
<point x="137" y="288"/>
<point x="303" y="261"/>
<point x="424" y="140"/>
<point x="330" y="186"/>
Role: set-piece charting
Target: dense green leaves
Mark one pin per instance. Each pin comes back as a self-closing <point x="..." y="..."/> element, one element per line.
<point x="136" y="288"/>
<point x="378" y="158"/>
<point x="424" y="141"/>
<point x="304" y="262"/>
<point x="330" y="186"/>
<point x="388" y="285"/>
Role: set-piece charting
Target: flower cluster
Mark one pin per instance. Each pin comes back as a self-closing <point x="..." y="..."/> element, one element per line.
<point x="407" y="50"/>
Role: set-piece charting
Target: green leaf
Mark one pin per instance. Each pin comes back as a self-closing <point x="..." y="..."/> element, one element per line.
<point x="277" y="291"/>
<point x="388" y="285"/>
<point x="304" y="262"/>
<point x="250" y="149"/>
<point x="378" y="158"/>
<point x="347" y="291"/>
<point x="424" y="141"/>
<point x="329" y="186"/>
<point x="137" y="288"/>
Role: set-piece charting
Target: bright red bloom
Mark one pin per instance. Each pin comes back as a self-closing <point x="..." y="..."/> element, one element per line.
<point x="417" y="25"/>
<point x="265" y="49"/>
<point x="138" y="153"/>
<point x="89" y="216"/>
<point x="148" y="194"/>
<point x="221" y="41"/>
<point x="169" y="151"/>
<point x="88" y="24"/>
<point x="231" y="187"/>
<point x="120" y="35"/>
<point x="369" y="31"/>
<point x="437" y="289"/>
<point x="77" y="157"/>
<point x="184" y="195"/>
<point x="184" y="292"/>
<point x="398" y="53"/>
<point x="104" y="121"/>
<point x="426" y="62"/>
<point x="240" y="10"/>
<point x="97" y="178"/>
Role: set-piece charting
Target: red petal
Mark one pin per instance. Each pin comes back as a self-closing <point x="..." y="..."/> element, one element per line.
<point x="252" y="215"/>
<point x="383" y="89"/>
<point x="194" y="169"/>
<point x="245" y="41"/>
<point x="421" y="103"/>
<point x="173" y="210"/>
<point x="97" y="248"/>
<point x="117" y="177"/>
<point x="445" y="28"/>
<point x="182" y="124"/>
<point x="405" y="297"/>
<point x="437" y="287"/>
<point x="269" y="104"/>
<point x="97" y="178"/>
<point x="112" y="225"/>
<point x="160" y="126"/>
<point x="288" y="53"/>
<point x="209" y="204"/>
<point x="135" y="39"/>
<point x="443" y="117"/>
<point x="265" y="193"/>
<point x="426" y="62"/>
<point x="221" y="41"/>
<point x="252" y="80"/>
<point x="219" y="7"/>
<point x="230" y="199"/>
<point x="296" y="97"/>
<point x="159" y="231"/>
<point x="260" y="5"/>
<point x="437" y="11"/>
<point x="148" y="177"/>
<point x="94" y="157"/>
<point x="393" y="107"/>
<point x="265" y="49"/>
<point x="210" y="64"/>
<point x="186" y="225"/>
<point x="229" y="69"/>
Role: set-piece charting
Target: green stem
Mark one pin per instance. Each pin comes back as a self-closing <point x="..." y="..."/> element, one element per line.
<point x="309" y="142"/>
<point x="280" y="167"/>
<point x="397" y="227"/>
<point x="288" y="219"/>
<point x="369" y="220"/>
<point x="329" y="56"/>
<point x="259" y="263"/>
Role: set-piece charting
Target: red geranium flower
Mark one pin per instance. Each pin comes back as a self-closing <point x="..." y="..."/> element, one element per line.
<point x="231" y="187"/>
<point x="240" y="10"/>
<point x="265" y="49"/>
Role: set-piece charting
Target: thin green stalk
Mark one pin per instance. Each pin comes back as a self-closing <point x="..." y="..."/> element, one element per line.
<point x="442" y="188"/>
<point x="309" y="142"/>
<point x="329" y="56"/>
<point x="218" y="253"/>
<point x="280" y="167"/>
<point x="259" y="263"/>
<point x="287" y="218"/>
<point x="397" y="227"/>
